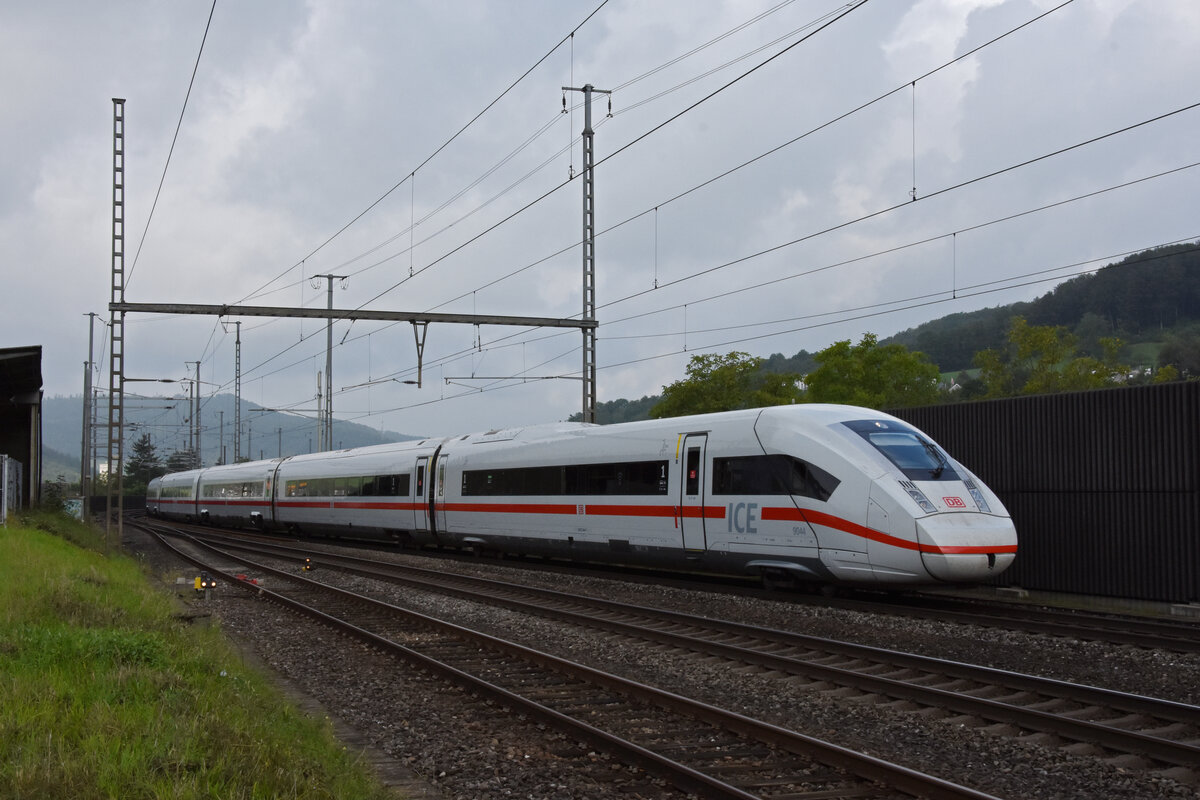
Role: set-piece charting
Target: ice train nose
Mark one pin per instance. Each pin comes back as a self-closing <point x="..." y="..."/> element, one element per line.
<point x="966" y="547"/>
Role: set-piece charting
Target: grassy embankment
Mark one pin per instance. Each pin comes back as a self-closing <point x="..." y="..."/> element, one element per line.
<point x="104" y="693"/>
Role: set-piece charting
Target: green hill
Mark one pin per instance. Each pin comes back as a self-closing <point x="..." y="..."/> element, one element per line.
<point x="1140" y="299"/>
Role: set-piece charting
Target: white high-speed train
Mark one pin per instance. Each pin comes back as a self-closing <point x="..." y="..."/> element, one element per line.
<point x="806" y="494"/>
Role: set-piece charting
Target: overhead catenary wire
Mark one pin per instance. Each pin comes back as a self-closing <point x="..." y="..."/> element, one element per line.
<point x="171" y="150"/>
<point x="435" y="153"/>
<point x="414" y="223"/>
<point x="926" y="197"/>
<point x="845" y="10"/>
<point x="724" y="174"/>
<point x="491" y="282"/>
<point x="727" y="292"/>
<point x="869" y="311"/>
<point x="899" y="206"/>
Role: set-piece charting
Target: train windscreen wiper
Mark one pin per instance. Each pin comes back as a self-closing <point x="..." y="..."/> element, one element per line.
<point x="937" y="471"/>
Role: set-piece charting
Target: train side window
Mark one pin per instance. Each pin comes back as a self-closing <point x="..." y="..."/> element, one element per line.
<point x="775" y="474"/>
<point x="693" y="471"/>
<point x="389" y="485"/>
<point x="610" y="478"/>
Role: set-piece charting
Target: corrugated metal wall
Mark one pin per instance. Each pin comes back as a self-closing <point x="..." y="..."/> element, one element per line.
<point x="1104" y="486"/>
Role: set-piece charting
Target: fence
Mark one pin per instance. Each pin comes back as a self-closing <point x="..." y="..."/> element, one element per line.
<point x="1104" y="486"/>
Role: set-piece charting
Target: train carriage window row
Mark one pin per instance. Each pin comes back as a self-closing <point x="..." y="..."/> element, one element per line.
<point x="624" y="478"/>
<point x="175" y="491"/>
<point x="353" y="486"/>
<point x="236" y="489"/>
<point x="771" y="474"/>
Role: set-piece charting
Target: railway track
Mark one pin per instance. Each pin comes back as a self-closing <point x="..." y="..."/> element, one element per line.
<point x="1179" y="637"/>
<point x="697" y="747"/>
<point x="1135" y="731"/>
<point x="1134" y="631"/>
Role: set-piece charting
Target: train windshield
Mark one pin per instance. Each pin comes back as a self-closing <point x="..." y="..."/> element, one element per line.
<point x="914" y="455"/>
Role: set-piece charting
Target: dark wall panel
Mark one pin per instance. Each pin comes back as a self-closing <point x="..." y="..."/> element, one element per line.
<point x="1103" y="486"/>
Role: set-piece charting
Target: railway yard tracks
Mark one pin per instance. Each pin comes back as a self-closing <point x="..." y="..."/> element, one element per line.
<point x="695" y="745"/>
<point x="1180" y="637"/>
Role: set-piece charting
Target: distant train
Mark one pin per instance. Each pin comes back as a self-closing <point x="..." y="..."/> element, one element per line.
<point x="799" y="494"/>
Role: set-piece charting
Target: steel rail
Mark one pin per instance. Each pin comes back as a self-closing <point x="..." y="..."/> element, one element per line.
<point x="864" y="766"/>
<point x="1120" y="739"/>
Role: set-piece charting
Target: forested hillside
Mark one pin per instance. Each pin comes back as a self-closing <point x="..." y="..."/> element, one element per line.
<point x="1143" y="297"/>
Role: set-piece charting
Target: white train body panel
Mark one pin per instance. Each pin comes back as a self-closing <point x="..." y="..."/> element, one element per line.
<point x="372" y="491"/>
<point x="173" y="496"/>
<point x="236" y="494"/>
<point x="816" y="493"/>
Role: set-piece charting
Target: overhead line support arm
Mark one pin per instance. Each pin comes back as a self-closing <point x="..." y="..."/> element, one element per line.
<point x="351" y="314"/>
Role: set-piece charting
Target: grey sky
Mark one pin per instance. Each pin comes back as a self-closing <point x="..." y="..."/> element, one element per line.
<point x="303" y="115"/>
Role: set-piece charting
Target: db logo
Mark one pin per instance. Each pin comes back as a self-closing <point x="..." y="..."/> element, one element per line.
<point x="954" y="502"/>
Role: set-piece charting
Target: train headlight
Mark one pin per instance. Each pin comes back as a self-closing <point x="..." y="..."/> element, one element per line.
<point x="977" y="496"/>
<point x="918" y="497"/>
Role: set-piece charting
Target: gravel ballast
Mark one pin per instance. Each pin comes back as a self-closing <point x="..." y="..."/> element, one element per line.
<point x="447" y="748"/>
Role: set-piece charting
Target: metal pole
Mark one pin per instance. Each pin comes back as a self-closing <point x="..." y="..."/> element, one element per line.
<point x="326" y="426"/>
<point x="329" y="372"/>
<point x="92" y="431"/>
<point x="85" y="457"/>
<point x="199" y="449"/>
<point x="589" y="253"/>
<point x="237" y="395"/>
<point x="191" y="416"/>
<point x="116" y="351"/>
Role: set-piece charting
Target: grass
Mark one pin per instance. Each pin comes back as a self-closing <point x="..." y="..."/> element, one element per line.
<point x="105" y="693"/>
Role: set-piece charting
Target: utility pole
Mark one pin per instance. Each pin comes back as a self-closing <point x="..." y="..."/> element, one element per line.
<point x="237" y="394"/>
<point x="221" y="440"/>
<point x="199" y="449"/>
<point x="589" y="249"/>
<point x="320" y="416"/>
<point x="191" y="415"/>
<point x="85" y="461"/>
<point x="194" y="431"/>
<point x="327" y="428"/>
<point x="116" y="350"/>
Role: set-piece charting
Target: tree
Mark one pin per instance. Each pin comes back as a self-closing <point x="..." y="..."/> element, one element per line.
<point x="182" y="460"/>
<point x="724" y="383"/>
<point x="1182" y="350"/>
<point x="1040" y="359"/>
<point x="143" y="464"/>
<point x="867" y="374"/>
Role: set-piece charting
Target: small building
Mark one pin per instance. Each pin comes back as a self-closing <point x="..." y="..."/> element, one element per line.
<point x="21" y="420"/>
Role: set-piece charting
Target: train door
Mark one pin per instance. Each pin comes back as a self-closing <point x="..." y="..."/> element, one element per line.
<point x="691" y="492"/>
<point x="421" y="523"/>
<point x="440" y="502"/>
